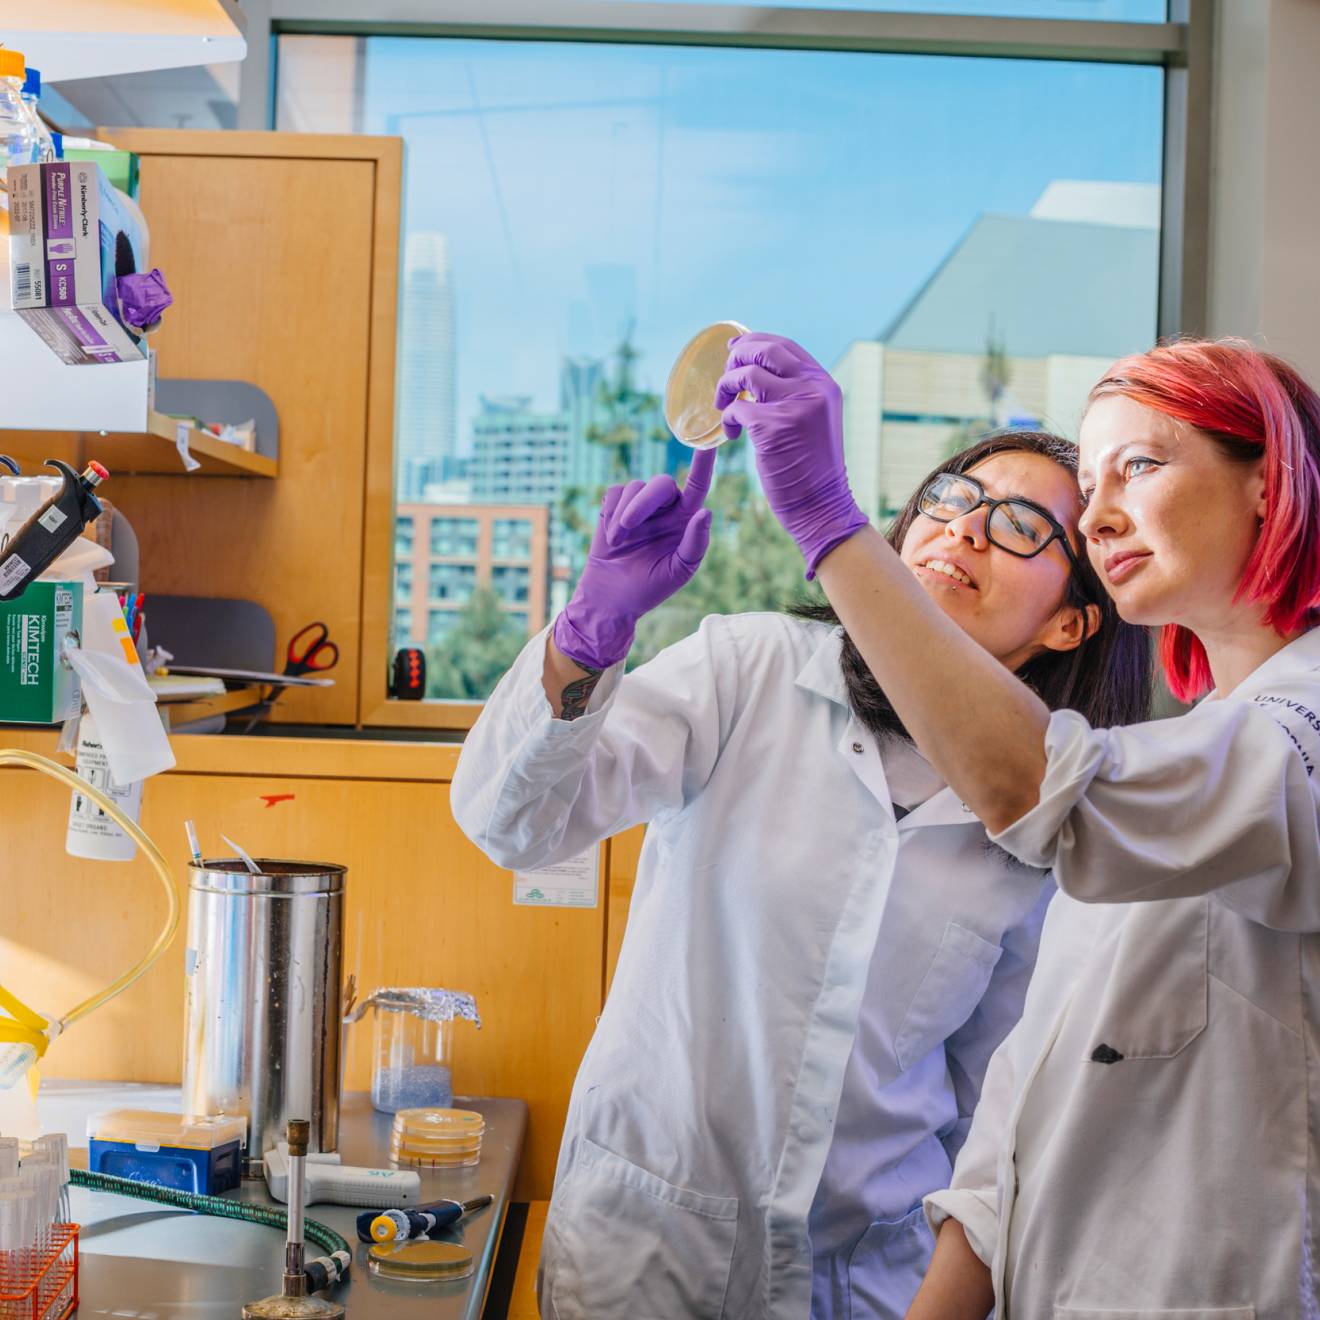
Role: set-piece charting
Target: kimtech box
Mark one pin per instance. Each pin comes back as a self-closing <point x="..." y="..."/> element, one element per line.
<point x="69" y="237"/>
<point x="37" y="686"/>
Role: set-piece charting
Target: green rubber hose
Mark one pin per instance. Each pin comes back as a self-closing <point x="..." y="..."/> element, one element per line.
<point x="320" y="1235"/>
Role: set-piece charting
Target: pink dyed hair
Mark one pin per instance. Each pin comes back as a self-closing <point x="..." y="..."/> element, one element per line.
<point x="1255" y="406"/>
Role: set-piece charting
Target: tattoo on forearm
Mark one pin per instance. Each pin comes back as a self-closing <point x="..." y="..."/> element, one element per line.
<point x="573" y="701"/>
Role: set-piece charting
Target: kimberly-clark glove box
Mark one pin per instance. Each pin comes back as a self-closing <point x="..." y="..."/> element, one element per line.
<point x="69" y="236"/>
<point x="37" y="684"/>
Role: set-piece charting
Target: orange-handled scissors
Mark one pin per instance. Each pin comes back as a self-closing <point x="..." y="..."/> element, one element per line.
<point x="311" y="651"/>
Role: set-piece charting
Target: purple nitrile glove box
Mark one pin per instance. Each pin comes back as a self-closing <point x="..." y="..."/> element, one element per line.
<point x="67" y="229"/>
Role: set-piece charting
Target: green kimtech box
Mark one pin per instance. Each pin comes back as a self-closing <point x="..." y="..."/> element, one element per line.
<point x="36" y="685"/>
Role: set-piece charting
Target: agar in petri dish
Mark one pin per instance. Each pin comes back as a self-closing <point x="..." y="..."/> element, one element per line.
<point x="420" y="1261"/>
<point x="690" y="410"/>
<point x="437" y="1122"/>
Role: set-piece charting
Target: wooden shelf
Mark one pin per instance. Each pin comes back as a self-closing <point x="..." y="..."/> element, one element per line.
<point x="223" y="703"/>
<point x="153" y="452"/>
<point x="216" y="457"/>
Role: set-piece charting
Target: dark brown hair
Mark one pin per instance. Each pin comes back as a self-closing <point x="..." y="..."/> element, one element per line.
<point x="1107" y="679"/>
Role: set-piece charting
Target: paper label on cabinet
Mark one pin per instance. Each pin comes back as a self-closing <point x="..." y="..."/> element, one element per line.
<point x="571" y="883"/>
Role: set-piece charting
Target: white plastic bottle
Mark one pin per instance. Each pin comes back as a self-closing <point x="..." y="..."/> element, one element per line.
<point x="17" y="139"/>
<point x="31" y="95"/>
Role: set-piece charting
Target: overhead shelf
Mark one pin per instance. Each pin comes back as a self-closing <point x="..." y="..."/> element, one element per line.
<point x="68" y="39"/>
<point x="101" y="410"/>
<point x="49" y="395"/>
<point x="153" y="451"/>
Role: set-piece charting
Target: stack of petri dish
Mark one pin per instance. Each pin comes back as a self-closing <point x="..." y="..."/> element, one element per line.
<point x="437" y="1138"/>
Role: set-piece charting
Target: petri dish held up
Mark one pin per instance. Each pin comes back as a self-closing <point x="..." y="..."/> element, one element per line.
<point x="690" y="411"/>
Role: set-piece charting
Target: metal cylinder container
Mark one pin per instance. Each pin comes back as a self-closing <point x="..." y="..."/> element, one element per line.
<point x="262" y="998"/>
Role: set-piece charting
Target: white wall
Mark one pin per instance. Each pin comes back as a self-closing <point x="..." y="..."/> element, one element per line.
<point x="1264" y="278"/>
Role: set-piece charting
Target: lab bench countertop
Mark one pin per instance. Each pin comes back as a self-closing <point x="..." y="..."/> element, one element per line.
<point x="156" y="1263"/>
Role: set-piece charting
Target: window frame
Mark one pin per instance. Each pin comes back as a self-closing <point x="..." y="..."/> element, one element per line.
<point x="1183" y="46"/>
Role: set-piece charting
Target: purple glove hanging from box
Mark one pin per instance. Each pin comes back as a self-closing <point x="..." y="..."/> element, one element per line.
<point x="794" y="420"/>
<point x="650" y="539"/>
<point x="142" y="299"/>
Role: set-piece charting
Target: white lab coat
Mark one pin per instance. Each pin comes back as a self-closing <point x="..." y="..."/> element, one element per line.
<point x="703" y="1111"/>
<point x="1146" y="1143"/>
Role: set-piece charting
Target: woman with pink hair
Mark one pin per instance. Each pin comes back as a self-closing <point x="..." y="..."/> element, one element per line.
<point x="1146" y="1141"/>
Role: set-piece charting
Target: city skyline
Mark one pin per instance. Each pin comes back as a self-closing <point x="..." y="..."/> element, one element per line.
<point x="581" y="187"/>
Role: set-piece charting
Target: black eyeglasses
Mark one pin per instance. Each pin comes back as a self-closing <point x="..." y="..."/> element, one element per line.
<point x="1016" y="525"/>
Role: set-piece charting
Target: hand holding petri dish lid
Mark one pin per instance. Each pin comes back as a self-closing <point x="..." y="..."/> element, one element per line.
<point x="690" y="410"/>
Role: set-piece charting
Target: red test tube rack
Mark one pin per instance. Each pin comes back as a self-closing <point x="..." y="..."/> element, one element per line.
<point x="41" y="1283"/>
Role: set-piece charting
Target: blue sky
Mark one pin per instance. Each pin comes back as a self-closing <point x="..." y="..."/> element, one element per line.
<point x="808" y="193"/>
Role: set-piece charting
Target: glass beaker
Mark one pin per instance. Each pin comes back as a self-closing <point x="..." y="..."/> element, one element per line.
<point x="412" y="1068"/>
<point x="412" y="1046"/>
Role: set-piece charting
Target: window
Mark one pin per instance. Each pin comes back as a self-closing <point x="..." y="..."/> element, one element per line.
<point x="455" y="537"/>
<point x="510" y="584"/>
<point x="963" y="242"/>
<point x="403" y="627"/>
<point x="452" y="581"/>
<point x="511" y="538"/>
<point x="403" y="537"/>
<point x="403" y="581"/>
<point x="440" y="623"/>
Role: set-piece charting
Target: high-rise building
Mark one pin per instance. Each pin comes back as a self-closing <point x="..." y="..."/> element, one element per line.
<point x="519" y="455"/>
<point x="1012" y="328"/>
<point x="589" y="465"/>
<point x="425" y="427"/>
<point x="444" y="552"/>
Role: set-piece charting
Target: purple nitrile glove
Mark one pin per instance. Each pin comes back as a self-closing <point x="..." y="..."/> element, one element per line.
<point x="794" y="420"/>
<point x="142" y="298"/>
<point x="649" y="541"/>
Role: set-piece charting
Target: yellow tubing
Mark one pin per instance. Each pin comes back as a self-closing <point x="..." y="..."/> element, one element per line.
<point x="9" y="756"/>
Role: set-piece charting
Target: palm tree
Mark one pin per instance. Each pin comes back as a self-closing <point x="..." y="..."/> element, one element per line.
<point x="626" y="414"/>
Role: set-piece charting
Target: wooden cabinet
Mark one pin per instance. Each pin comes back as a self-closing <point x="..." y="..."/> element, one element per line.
<point x="282" y="253"/>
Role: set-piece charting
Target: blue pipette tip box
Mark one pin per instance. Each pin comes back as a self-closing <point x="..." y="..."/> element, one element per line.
<point x="187" y="1153"/>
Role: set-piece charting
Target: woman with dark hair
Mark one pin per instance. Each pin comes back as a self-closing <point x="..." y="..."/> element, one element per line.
<point x="1111" y="674"/>
<point x="1146" y="1144"/>
<point x="822" y="949"/>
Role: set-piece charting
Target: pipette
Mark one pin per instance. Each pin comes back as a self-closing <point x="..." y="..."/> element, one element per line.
<point x="193" y="846"/>
<point x="51" y="529"/>
<point x="400" y="1225"/>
